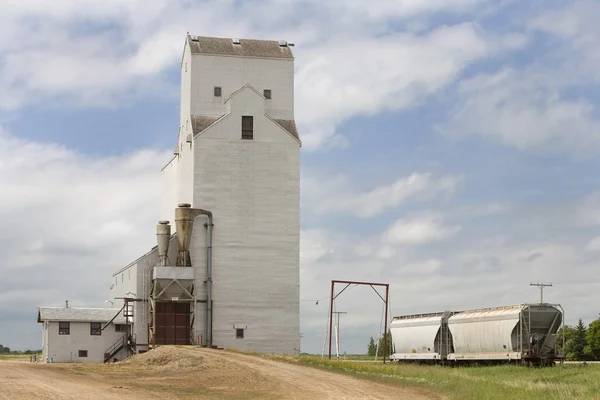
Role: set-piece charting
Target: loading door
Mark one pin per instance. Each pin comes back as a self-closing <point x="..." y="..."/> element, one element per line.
<point x="172" y="323"/>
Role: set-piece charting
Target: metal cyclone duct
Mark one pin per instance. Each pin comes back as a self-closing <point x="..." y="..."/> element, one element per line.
<point x="163" y="236"/>
<point x="184" y="223"/>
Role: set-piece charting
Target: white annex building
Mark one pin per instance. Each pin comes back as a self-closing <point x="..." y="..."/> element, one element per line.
<point x="225" y="272"/>
<point x="82" y="334"/>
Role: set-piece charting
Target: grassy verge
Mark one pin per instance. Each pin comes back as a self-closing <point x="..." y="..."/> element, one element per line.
<point x="499" y="382"/>
<point x="17" y="356"/>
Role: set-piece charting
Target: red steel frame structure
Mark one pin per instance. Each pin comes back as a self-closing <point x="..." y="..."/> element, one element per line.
<point x="348" y="283"/>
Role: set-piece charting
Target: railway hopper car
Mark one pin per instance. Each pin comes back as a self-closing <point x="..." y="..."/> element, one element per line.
<point x="421" y="337"/>
<point x="522" y="333"/>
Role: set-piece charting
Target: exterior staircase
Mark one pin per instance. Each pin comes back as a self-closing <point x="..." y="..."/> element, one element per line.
<point x="122" y="343"/>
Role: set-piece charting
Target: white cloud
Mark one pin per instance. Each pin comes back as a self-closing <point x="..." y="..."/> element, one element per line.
<point x="103" y="67"/>
<point x="577" y="25"/>
<point x="392" y="72"/>
<point x="68" y="222"/>
<point x="541" y="106"/>
<point x="594" y="244"/>
<point x="419" y="230"/>
<point x="336" y="194"/>
<point x="520" y="109"/>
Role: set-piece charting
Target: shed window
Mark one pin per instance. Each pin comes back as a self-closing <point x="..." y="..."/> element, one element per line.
<point x="82" y="353"/>
<point x="267" y="93"/>
<point x="247" y="127"/>
<point x="95" y="328"/>
<point x="120" y="328"/>
<point x="64" y="328"/>
<point x="217" y="91"/>
<point x="239" y="333"/>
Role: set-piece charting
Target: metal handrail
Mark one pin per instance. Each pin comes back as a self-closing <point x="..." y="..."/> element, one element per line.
<point x="116" y="345"/>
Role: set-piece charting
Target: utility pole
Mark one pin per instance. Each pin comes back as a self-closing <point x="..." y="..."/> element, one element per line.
<point x="337" y="331"/>
<point x="541" y="286"/>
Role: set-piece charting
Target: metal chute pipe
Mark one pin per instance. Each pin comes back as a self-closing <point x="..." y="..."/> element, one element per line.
<point x="163" y="235"/>
<point x="184" y="220"/>
<point x="209" y="229"/>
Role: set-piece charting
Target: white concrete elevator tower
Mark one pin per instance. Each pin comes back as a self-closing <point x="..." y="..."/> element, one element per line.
<point x="238" y="155"/>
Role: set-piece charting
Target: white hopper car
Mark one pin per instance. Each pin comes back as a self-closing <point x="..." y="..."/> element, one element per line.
<point x="523" y="333"/>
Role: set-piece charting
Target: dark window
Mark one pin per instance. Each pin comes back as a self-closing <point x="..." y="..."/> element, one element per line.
<point x="217" y="91"/>
<point x="239" y="333"/>
<point x="64" y="328"/>
<point x="247" y="127"/>
<point x="82" y="353"/>
<point x="120" y="328"/>
<point x="95" y="328"/>
<point x="267" y="93"/>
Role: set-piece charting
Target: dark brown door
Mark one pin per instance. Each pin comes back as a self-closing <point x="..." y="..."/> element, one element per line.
<point x="172" y="323"/>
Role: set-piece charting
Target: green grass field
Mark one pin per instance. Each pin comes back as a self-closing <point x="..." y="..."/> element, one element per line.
<point x="569" y="381"/>
<point x="17" y="356"/>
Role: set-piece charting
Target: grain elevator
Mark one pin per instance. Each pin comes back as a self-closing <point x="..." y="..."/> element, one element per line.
<point x="224" y="271"/>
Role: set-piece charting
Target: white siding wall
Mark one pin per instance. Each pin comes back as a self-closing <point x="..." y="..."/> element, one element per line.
<point x="65" y="348"/>
<point x="252" y="187"/>
<point x="141" y="285"/>
<point x="169" y="198"/>
<point x="186" y="73"/>
<point x="231" y="73"/>
<point x="185" y="174"/>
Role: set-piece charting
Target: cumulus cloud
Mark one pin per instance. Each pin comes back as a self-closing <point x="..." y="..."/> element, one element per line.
<point x="337" y="194"/>
<point x="330" y="89"/>
<point x="68" y="222"/>
<point x="594" y="244"/>
<point x="525" y="109"/>
<point x="545" y="105"/>
<point x="419" y="230"/>
<point x="394" y="70"/>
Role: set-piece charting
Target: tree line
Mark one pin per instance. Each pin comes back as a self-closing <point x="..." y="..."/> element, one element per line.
<point x="6" y="350"/>
<point x="581" y="343"/>
<point x="374" y="348"/>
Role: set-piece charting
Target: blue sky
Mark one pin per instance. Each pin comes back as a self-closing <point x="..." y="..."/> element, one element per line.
<point x="450" y="148"/>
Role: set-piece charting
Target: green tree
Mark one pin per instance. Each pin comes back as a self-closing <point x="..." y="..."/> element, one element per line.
<point x="565" y="333"/>
<point x="389" y="345"/>
<point x="578" y="342"/>
<point x="592" y="348"/>
<point x="371" y="347"/>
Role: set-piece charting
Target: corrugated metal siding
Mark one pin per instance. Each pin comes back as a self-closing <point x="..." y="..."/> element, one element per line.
<point x="231" y="73"/>
<point x="484" y="331"/>
<point x="252" y="187"/>
<point x="415" y="335"/>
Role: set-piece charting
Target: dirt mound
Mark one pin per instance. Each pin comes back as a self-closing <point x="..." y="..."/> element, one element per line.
<point x="172" y="358"/>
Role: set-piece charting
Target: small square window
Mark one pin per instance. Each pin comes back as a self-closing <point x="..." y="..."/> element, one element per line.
<point x="267" y="93"/>
<point x="96" y="328"/>
<point x="120" y="328"/>
<point x="82" y="353"/>
<point x="217" y="91"/>
<point x="64" y="328"/>
<point x="239" y="333"/>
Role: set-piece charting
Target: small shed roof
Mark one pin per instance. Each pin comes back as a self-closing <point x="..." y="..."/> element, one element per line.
<point x="245" y="48"/>
<point x="79" y="314"/>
